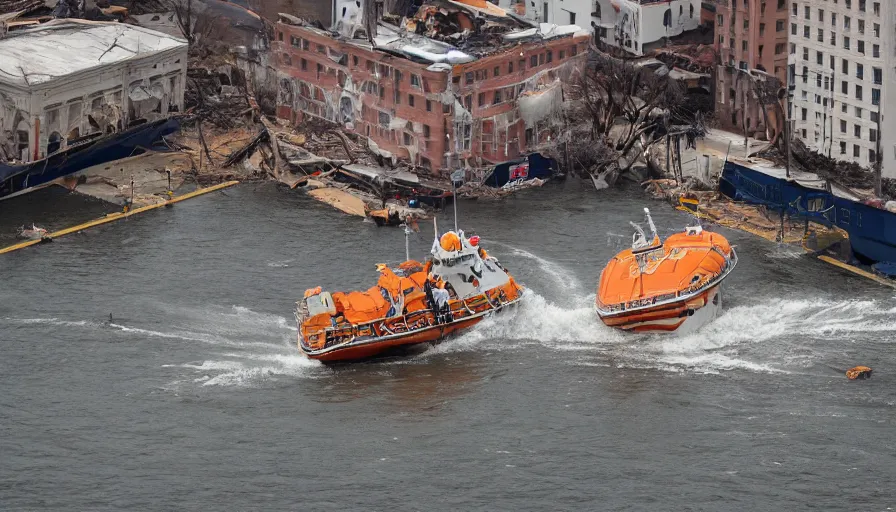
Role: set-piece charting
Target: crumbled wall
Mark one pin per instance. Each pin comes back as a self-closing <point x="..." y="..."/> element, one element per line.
<point x="370" y="92"/>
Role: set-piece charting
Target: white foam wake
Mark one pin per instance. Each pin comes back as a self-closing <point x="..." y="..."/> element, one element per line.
<point x="563" y="277"/>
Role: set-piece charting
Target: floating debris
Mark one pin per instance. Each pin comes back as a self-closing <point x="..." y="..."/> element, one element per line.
<point x="859" y="373"/>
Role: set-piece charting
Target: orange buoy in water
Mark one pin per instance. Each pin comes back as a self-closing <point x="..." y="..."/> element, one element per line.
<point x="859" y="373"/>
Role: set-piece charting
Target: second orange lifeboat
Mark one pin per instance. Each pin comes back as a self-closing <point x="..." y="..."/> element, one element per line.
<point x="664" y="286"/>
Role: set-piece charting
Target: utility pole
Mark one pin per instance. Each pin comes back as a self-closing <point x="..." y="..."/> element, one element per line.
<point x="878" y="186"/>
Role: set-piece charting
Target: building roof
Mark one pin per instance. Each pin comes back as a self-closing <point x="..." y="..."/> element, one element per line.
<point x="63" y="47"/>
<point x="443" y="32"/>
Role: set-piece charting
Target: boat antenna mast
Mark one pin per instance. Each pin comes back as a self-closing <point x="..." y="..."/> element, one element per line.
<point x="651" y="224"/>
<point x="407" y="241"/>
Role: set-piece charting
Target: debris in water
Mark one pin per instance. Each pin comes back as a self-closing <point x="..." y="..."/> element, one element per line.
<point x="859" y="373"/>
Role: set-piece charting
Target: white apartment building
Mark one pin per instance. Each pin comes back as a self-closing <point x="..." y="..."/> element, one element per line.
<point x="842" y="67"/>
<point x="634" y="26"/>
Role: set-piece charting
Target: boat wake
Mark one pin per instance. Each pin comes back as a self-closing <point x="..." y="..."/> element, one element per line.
<point x="778" y="336"/>
<point x="233" y="346"/>
<point x="253" y="349"/>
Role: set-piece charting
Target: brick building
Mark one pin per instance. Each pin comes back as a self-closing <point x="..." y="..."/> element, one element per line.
<point x="490" y="97"/>
<point x="750" y="35"/>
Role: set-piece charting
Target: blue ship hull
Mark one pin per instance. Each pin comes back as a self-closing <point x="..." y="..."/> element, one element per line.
<point x="872" y="231"/>
<point x="15" y="179"/>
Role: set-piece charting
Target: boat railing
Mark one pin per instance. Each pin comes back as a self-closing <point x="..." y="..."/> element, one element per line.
<point x="340" y="335"/>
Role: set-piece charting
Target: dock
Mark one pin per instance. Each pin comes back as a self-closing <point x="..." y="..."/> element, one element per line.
<point x="741" y="226"/>
<point x="112" y="217"/>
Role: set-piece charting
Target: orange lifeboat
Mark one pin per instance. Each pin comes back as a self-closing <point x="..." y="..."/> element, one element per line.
<point x="412" y="303"/>
<point x="664" y="286"/>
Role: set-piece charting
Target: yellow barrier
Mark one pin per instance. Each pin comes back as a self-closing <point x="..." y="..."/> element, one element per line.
<point x="112" y="217"/>
<point x="845" y="266"/>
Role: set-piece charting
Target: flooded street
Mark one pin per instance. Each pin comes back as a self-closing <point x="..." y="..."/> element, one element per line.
<point x="194" y="395"/>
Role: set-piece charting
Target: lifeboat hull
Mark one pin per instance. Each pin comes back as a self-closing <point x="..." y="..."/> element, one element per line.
<point x="372" y="347"/>
<point x="682" y="317"/>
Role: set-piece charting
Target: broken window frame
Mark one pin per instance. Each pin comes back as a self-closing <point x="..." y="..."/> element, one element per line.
<point x="416" y="81"/>
<point x="468" y="77"/>
<point x="426" y="131"/>
<point x="533" y="61"/>
<point x="428" y="105"/>
<point x="550" y="56"/>
<point x="497" y="97"/>
<point x="411" y="100"/>
<point x="510" y="66"/>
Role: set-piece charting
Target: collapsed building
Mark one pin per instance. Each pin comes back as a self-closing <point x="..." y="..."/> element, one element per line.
<point x="68" y="79"/>
<point x="452" y="84"/>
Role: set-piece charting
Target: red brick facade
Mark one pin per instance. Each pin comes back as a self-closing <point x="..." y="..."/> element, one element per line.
<point x="408" y="110"/>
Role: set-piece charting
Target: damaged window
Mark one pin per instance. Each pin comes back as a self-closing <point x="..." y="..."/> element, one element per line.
<point x="295" y="41"/>
<point x="446" y="109"/>
<point x="384" y="119"/>
<point x="407" y="139"/>
<point x="562" y="55"/>
<point x="550" y="56"/>
<point x="280" y="36"/>
<point x="533" y="61"/>
<point x="522" y="64"/>
<point x="481" y="99"/>
<point x="371" y="67"/>
<point x="510" y="67"/>
<point x="428" y="106"/>
<point x="287" y="59"/>
<point x="497" y="98"/>
<point x="304" y="65"/>
<point x="496" y="71"/>
<point x="540" y="59"/>
<point x="397" y="75"/>
<point x="305" y="44"/>
<point x="384" y="70"/>
<point x="468" y="131"/>
<point x="321" y="49"/>
<point x="354" y="60"/>
<point x="411" y="100"/>
<point x="415" y="80"/>
<point x="426" y="130"/>
<point x="573" y="50"/>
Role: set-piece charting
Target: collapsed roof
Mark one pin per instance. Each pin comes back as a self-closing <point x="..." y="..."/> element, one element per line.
<point x="63" y="47"/>
<point x="442" y="32"/>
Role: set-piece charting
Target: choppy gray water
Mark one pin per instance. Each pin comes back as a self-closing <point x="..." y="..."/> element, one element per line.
<point x="195" y="397"/>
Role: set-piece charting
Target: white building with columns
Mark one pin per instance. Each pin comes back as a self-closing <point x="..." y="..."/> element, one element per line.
<point x="633" y="26"/>
<point x="842" y="74"/>
<point x="68" y="79"/>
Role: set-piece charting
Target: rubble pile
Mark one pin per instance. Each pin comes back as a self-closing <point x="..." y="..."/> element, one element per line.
<point x="850" y="174"/>
<point x="698" y="58"/>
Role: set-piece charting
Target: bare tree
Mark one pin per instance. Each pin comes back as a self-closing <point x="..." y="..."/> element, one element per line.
<point x="193" y="20"/>
<point x="626" y="108"/>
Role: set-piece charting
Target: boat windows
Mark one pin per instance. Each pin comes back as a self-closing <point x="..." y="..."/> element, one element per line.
<point x="816" y="205"/>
